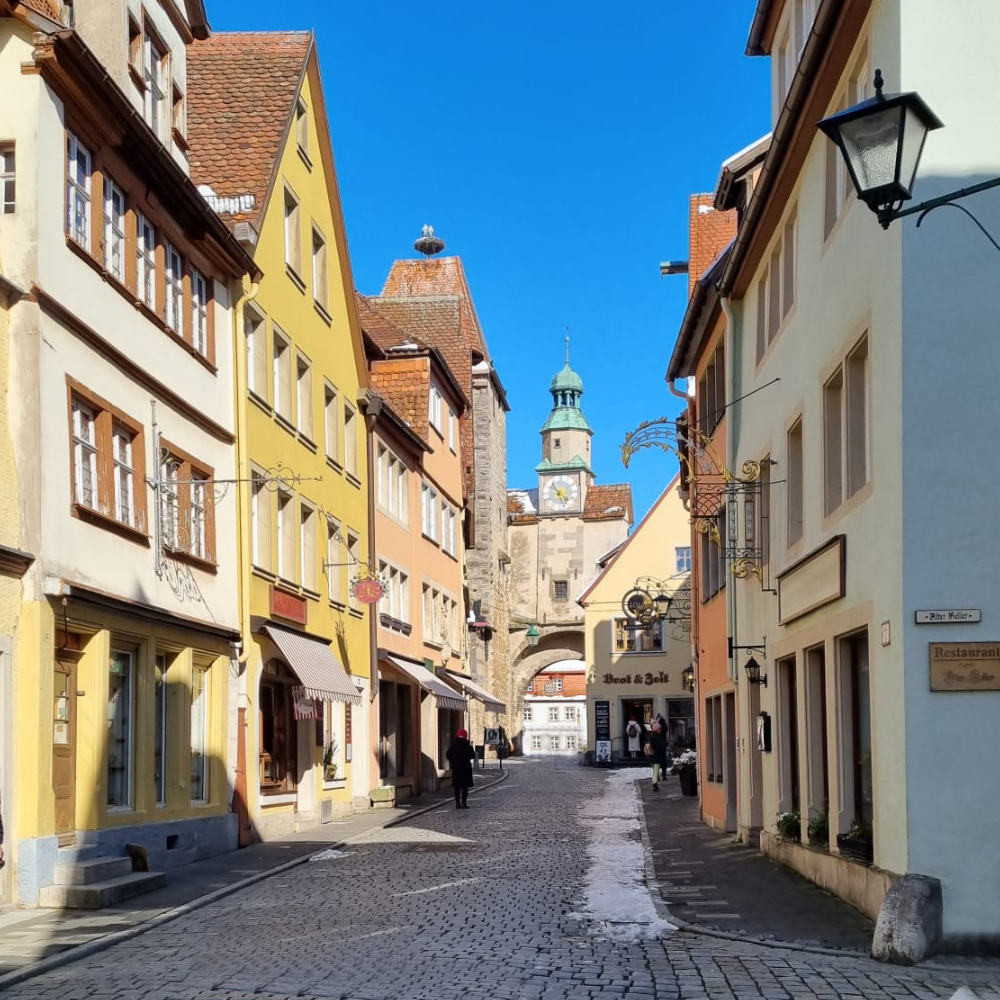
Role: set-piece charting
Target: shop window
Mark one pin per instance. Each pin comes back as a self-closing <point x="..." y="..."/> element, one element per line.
<point x="788" y="734"/>
<point x="816" y="731"/>
<point x="121" y="706"/>
<point x="278" y="743"/>
<point x="199" y="734"/>
<point x="856" y="743"/>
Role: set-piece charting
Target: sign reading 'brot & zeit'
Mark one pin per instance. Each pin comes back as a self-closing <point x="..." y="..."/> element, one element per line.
<point x="965" y="666"/>
<point x="945" y="616"/>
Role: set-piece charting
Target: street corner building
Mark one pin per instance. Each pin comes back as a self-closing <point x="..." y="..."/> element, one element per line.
<point x="637" y="624"/>
<point x="560" y="530"/>
<point x="429" y="356"/>
<point x="302" y="400"/>
<point x="119" y="615"/>
<point x="846" y="661"/>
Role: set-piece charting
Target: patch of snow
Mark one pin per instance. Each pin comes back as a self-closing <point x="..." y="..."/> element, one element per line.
<point x="615" y="893"/>
<point x="328" y="855"/>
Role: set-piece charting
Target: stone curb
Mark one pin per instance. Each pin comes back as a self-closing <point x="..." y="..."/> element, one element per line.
<point x="936" y="963"/>
<point x="126" y="934"/>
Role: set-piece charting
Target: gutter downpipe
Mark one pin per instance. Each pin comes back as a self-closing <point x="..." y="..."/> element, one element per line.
<point x="241" y="801"/>
<point x="731" y="430"/>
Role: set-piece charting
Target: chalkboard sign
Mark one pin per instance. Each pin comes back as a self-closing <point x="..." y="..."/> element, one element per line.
<point x="602" y="720"/>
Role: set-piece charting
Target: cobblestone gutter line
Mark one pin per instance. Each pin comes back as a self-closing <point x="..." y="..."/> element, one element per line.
<point x="126" y="934"/>
<point x="937" y="963"/>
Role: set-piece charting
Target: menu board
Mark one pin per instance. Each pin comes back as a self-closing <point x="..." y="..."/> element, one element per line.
<point x="602" y="720"/>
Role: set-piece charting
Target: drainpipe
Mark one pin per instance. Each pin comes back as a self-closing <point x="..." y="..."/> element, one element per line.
<point x="731" y="429"/>
<point x="241" y="801"/>
<point x="371" y="406"/>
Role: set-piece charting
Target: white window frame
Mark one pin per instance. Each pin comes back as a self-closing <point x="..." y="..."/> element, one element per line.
<point x="200" y="730"/>
<point x="553" y="713"/>
<point x="452" y="421"/>
<point x="114" y="230"/>
<point x="128" y="791"/>
<point x="200" y="299"/>
<point x="536" y="743"/>
<point x="303" y="395"/>
<point x="286" y="509"/>
<point x="429" y="512"/>
<point x="85" y="458"/>
<point x="78" y="183"/>
<point x="145" y="263"/>
<point x="124" y="475"/>
<point x="198" y="514"/>
<point x="8" y="178"/>
<point x="173" y="276"/>
<point x="154" y="72"/>
<point x="334" y="561"/>
<point x="434" y="404"/>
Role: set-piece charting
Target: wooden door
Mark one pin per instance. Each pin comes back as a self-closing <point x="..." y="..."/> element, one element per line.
<point x="64" y="750"/>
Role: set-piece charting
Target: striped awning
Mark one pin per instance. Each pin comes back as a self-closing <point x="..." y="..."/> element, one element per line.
<point x="313" y="662"/>
<point x="446" y="696"/>
<point x="473" y="690"/>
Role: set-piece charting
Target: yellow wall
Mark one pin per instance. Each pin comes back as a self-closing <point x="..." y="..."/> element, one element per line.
<point x="331" y="344"/>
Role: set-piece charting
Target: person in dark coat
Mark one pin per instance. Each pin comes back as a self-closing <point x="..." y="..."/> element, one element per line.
<point x="658" y="741"/>
<point x="461" y="755"/>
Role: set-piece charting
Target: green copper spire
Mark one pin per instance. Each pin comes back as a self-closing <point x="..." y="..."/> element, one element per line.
<point x="566" y="388"/>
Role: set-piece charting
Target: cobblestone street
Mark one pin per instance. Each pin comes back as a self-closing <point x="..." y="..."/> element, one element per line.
<point x="514" y="898"/>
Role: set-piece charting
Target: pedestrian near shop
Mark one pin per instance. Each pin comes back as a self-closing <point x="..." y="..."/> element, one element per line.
<point x="633" y="731"/>
<point x="658" y="758"/>
<point x="461" y="755"/>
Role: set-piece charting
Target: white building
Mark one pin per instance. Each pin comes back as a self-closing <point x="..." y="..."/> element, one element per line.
<point x="555" y="710"/>
<point x="881" y="457"/>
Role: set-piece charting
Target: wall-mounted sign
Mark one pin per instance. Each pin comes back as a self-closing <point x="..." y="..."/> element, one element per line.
<point x="816" y="579"/>
<point x="602" y="753"/>
<point x="368" y="590"/>
<point x="886" y="634"/>
<point x="954" y="616"/>
<point x="965" y="666"/>
<point x="290" y="606"/>
<point x="764" y="732"/>
<point x="491" y="737"/>
<point x="602" y="720"/>
<point x="648" y="678"/>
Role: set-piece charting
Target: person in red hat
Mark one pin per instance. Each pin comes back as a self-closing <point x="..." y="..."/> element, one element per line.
<point x="461" y="755"/>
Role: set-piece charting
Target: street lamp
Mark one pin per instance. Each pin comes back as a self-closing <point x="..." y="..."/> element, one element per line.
<point x="754" y="676"/>
<point x="533" y="635"/>
<point x="662" y="604"/>
<point x="687" y="678"/>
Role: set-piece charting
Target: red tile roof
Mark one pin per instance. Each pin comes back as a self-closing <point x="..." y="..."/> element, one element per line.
<point x="44" y="7"/>
<point x="242" y="88"/>
<point x="709" y="233"/>
<point x="405" y="383"/>
<point x="379" y="327"/>
<point x="608" y="503"/>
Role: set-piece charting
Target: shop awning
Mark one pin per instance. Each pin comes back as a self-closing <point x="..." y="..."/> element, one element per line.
<point x="473" y="690"/>
<point x="446" y="696"/>
<point x="313" y="662"/>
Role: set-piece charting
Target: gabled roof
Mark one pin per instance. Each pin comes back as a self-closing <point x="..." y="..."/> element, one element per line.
<point x="610" y="502"/>
<point x="582" y="599"/>
<point x="242" y="88"/>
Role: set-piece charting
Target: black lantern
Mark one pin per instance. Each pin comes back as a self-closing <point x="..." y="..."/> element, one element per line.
<point x="687" y="678"/>
<point x="662" y="604"/>
<point x="754" y="675"/>
<point x="881" y="140"/>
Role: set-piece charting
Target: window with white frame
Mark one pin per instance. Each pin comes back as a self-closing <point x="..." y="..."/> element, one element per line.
<point x="261" y="519"/>
<point x="536" y="743"/>
<point x="553" y="713"/>
<point x="776" y="287"/>
<point x="198" y="499"/>
<point x="553" y="742"/>
<point x="434" y="404"/>
<point x="124" y="474"/>
<point x="154" y="72"/>
<point x="838" y="189"/>
<point x="8" y="179"/>
<point x="335" y="568"/>
<point x="255" y="330"/>
<point x="199" y="733"/>
<point x="170" y="503"/>
<point x="683" y="553"/>
<point x="174" y="288"/>
<point x="307" y="546"/>
<point x="571" y="713"/>
<point x="199" y="312"/>
<point x="429" y="511"/>
<point x="350" y="440"/>
<point x="145" y="251"/>
<point x="319" y="269"/>
<point x="795" y="487"/>
<point x="354" y="558"/>
<point x="846" y="428"/>
<point x="396" y="600"/>
<point x="303" y="382"/>
<point x="448" y="521"/>
<point x="711" y="397"/>
<point x="557" y="684"/>
<point x="527" y="713"/>
<point x="302" y="127"/>
<point x="331" y="404"/>
<point x="160" y="668"/>
<point x="114" y="229"/>
<point x="84" y="455"/>
<point x="293" y="233"/>
<point x="121" y="734"/>
<point x="452" y="429"/>
<point x="286" y="535"/>
<point x="78" y="183"/>
<point x="570" y="742"/>
<point x="391" y="483"/>
<point x="282" y="365"/>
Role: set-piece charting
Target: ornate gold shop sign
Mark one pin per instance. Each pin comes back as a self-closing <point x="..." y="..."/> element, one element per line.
<point x="965" y="666"/>
<point x="648" y="678"/>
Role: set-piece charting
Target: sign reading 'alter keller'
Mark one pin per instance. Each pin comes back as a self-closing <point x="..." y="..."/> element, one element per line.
<point x="965" y="666"/>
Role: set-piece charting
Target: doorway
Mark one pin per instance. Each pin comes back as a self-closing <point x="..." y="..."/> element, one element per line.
<point x="640" y="709"/>
<point x="64" y="748"/>
<point x="730" y="768"/>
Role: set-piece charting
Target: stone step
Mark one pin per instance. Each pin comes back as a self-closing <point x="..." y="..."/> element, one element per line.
<point x="100" y="894"/>
<point x="88" y="872"/>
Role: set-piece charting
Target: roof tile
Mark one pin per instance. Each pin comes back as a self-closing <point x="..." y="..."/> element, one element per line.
<point x="609" y="502"/>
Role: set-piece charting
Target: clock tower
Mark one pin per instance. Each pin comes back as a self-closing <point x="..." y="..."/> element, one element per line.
<point x="564" y="474"/>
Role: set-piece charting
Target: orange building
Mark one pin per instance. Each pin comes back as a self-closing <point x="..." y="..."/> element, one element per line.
<point x="700" y="355"/>
<point x="417" y="473"/>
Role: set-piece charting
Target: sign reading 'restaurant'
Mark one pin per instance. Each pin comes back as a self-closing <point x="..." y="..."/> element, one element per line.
<point x="965" y="666"/>
<point x="659" y="678"/>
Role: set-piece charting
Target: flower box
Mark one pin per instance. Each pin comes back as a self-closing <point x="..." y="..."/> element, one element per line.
<point x="856" y="848"/>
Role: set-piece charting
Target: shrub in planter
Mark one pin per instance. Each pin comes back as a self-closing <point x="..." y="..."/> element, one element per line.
<point x="819" y="829"/>
<point x="790" y="825"/>
<point x="857" y="843"/>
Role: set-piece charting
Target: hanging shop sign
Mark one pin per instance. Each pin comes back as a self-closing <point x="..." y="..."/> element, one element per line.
<point x="965" y="666"/>
<point x="368" y="590"/>
<point x="954" y="616"/>
<point x="307" y="708"/>
<point x="648" y="678"/>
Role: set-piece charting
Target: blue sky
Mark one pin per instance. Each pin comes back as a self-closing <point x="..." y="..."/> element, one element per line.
<point x="553" y="146"/>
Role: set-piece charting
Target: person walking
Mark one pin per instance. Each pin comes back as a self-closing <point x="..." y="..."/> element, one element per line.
<point x="461" y="755"/>
<point x="658" y="741"/>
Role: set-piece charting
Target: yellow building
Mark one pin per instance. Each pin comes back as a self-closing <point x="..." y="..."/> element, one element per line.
<point x="262" y="155"/>
<point x="635" y="672"/>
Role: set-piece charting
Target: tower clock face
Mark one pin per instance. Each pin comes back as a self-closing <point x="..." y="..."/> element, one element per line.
<point x="562" y="493"/>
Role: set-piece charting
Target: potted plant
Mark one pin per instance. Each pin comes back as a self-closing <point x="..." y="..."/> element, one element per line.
<point x="819" y="829"/>
<point x="790" y="825"/>
<point x="686" y="768"/>
<point x="329" y="762"/>
<point x="857" y="844"/>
